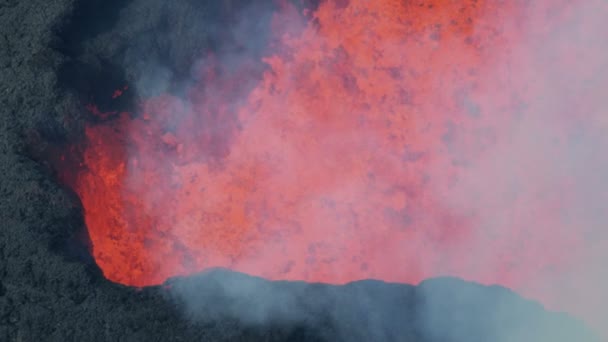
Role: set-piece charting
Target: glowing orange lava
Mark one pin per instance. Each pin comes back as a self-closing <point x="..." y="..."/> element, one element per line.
<point x="349" y="158"/>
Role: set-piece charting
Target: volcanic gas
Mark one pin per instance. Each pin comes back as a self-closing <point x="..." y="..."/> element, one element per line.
<point x="395" y="140"/>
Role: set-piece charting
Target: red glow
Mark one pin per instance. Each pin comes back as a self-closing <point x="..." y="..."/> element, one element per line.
<point x="336" y="165"/>
<point x="118" y="92"/>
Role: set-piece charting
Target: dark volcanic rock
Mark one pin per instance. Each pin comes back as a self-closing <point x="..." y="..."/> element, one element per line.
<point x="55" y="56"/>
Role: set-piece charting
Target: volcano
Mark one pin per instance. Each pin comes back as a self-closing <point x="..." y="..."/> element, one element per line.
<point x="291" y="151"/>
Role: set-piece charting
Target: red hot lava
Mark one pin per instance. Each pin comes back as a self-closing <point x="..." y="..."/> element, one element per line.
<point x="372" y="147"/>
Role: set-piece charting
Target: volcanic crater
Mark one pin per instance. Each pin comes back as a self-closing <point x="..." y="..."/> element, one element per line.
<point x="240" y="170"/>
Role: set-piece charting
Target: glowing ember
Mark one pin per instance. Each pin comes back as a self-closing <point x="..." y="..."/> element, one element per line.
<point x="354" y="156"/>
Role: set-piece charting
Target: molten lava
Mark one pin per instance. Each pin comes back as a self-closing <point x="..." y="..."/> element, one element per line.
<point x="355" y="154"/>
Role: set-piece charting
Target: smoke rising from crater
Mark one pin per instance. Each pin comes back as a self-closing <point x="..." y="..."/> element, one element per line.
<point x="378" y="140"/>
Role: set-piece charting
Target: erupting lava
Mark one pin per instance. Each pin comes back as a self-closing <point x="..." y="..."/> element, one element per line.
<point x="370" y="147"/>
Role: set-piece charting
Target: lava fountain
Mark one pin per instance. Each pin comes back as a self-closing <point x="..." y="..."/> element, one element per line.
<point x="395" y="140"/>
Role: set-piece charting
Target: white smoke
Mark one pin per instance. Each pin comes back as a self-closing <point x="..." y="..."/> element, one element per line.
<point x="553" y="157"/>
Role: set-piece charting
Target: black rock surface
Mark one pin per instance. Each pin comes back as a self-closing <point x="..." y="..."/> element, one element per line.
<point x="56" y="55"/>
